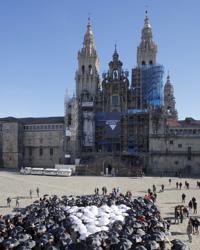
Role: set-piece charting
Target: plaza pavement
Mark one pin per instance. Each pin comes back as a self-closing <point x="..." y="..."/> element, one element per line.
<point x="13" y="184"/>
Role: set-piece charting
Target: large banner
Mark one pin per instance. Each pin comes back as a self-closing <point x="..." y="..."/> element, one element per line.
<point x="88" y="128"/>
<point x="110" y="122"/>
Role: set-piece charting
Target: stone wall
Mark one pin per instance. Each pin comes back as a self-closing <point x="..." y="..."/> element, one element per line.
<point x="43" y="148"/>
<point x="10" y="145"/>
<point x="174" y="154"/>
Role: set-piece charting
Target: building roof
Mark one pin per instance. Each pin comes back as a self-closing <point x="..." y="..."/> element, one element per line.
<point x="188" y="122"/>
<point x="34" y="120"/>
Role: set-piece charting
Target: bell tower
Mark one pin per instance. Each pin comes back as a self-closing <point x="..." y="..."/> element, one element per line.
<point x="87" y="74"/>
<point x="147" y="50"/>
<point x="169" y="99"/>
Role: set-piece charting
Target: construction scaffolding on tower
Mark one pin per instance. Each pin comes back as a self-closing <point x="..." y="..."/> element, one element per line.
<point x="151" y="82"/>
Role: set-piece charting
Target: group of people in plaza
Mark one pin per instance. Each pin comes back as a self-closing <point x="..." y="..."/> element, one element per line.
<point x="186" y="210"/>
<point x="181" y="212"/>
<point x="69" y="222"/>
<point x="115" y="191"/>
<point x="17" y="199"/>
<point x="179" y="185"/>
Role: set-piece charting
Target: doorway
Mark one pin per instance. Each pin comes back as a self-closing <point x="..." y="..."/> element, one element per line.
<point x="108" y="169"/>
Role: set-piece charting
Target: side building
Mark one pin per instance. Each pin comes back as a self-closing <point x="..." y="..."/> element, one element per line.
<point x="31" y="142"/>
<point x="176" y="149"/>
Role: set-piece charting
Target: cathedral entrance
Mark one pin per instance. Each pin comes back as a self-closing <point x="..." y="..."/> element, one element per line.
<point x="108" y="169"/>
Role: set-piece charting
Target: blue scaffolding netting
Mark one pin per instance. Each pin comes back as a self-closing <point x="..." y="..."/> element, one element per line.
<point x="151" y="78"/>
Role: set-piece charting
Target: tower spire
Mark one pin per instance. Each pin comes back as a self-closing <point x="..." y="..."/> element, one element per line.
<point x="115" y="54"/>
<point x="146" y="21"/>
<point x="168" y="77"/>
<point x="169" y="99"/>
<point x="147" y="50"/>
<point x="88" y="65"/>
<point x="88" y="43"/>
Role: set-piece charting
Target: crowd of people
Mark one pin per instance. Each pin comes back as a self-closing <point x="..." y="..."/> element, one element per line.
<point x="56" y="223"/>
<point x="100" y="221"/>
<point x="181" y="212"/>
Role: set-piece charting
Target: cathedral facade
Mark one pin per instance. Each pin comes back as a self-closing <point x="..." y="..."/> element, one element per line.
<point x="117" y="124"/>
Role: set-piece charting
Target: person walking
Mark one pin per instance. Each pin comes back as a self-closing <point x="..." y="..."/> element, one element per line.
<point x="170" y="180"/>
<point x="180" y="185"/>
<point x="38" y="192"/>
<point x="31" y="192"/>
<point x="176" y="185"/>
<point x="189" y="231"/>
<point x="183" y="198"/>
<point x="162" y="187"/>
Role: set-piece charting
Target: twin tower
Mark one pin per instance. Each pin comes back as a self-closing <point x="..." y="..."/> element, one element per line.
<point x="88" y="82"/>
<point x="95" y="117"/>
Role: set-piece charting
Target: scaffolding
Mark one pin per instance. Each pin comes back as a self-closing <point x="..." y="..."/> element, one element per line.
<point x="151" y="80"/>
<point x="108" y="131"/>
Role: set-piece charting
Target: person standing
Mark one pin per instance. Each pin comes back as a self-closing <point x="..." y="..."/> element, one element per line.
<point x="162" y="187"/>
<point x="176" y="185"/>
<point x="195" y="207"/>
<point x="180" y="185"/>
<point x="189" y="231"/>
<point x="105" y="190"/>
<point x="176" y="215"/>
<point x="190" y="205"/>
<point x="196" y="225"/>
<point x="170" y="180"/>
<point x="17" y="202"/>
<point x="154" y="188"/>
<point x="183" y="198"/>
<point x="38" y="192"/>
<point x="8" y="201"/>
<point x="193" y="200"/>
<point x="185" y="184"/>
<point x="181" y="215"/>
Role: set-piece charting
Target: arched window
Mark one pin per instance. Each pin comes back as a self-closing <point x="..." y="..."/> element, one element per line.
<point x="90" y="69"/>
<point x="83" y="69"/>
<point x="143" y="63"/>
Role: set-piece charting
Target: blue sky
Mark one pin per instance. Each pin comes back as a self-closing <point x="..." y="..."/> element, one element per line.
<point x="39" y="41"/>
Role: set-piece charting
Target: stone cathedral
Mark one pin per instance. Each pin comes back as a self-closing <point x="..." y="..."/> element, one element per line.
<point x="119" y="124"/>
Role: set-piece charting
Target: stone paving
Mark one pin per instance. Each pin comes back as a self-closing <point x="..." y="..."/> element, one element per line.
<point x="13" y="184"/>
